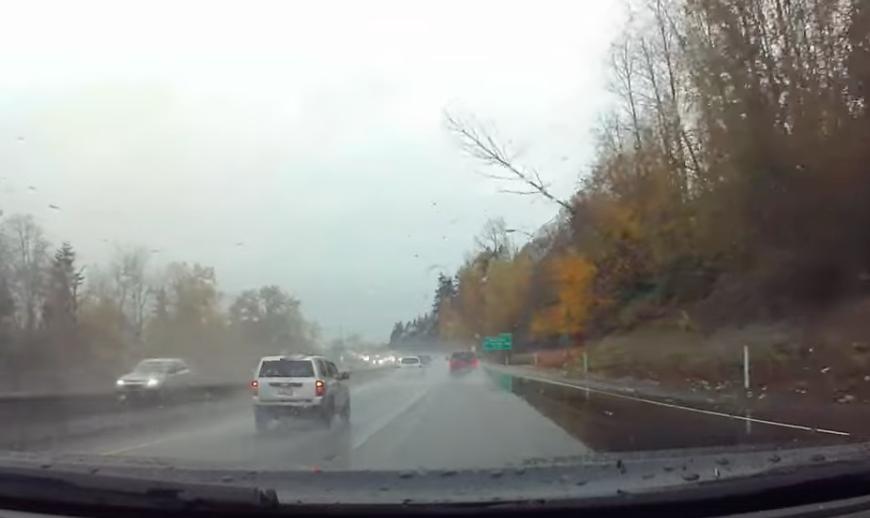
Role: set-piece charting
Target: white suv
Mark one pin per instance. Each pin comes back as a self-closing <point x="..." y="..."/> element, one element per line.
<point x="412" y="362"/>
<point x="299" y="386"/>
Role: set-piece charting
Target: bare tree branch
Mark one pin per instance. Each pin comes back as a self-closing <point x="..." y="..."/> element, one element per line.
<point x="481" y="144"/>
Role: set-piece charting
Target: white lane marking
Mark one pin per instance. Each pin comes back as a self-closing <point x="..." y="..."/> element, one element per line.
<point x="384" y="422"/>
<point x="681" y="407"/>
<point x="362" y="389"/>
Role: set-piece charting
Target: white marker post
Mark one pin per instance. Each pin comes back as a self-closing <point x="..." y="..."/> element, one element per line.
<point x="586" y="373"/>
<point x="746" y="367"/>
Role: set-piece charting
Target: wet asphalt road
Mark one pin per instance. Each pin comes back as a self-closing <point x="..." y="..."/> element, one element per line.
<point x="406" y="419"/>
<point x="429" y="419"/>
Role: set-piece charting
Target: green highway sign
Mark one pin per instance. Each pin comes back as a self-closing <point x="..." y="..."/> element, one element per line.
<point x="502" y="342"/>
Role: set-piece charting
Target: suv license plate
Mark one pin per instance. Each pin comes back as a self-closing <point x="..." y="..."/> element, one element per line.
<point x="285" y="391"/>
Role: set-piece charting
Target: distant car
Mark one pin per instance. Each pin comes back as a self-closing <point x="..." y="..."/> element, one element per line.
<point x="425" y="359"/>
<point x="299" y="386"/>
<point x="410" y="362"/>
<point x="462" y="361"/>
<point x="154" y="377"/>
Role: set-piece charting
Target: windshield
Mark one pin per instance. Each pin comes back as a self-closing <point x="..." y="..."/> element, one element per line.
<point x="592" y="229"/>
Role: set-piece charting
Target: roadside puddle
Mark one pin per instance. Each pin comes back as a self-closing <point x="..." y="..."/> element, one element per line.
<point x="607" y="423"/>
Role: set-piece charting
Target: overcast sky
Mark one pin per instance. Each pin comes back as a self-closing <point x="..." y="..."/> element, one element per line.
<point x="309" y="131"/>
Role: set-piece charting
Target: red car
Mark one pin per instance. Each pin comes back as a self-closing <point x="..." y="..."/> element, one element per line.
<point x="463" y="361"/>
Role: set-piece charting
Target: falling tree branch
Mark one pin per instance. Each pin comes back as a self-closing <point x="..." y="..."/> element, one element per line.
<point x="497" y="177"/>
<point x="482" y="145"/>
<point x="521" y="193"/>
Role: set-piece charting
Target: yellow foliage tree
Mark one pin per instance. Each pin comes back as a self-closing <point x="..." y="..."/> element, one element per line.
<point x="469" y="303"/>
<point x="101" y="324"/>
<point x="451" y="324"/>
<point x="571" y="276"/>
<point x="505" y="294"/>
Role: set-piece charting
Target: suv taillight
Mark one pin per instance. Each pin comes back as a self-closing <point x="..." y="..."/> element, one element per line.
<point x="255" y="387"/>
<point x="319" y="388"/>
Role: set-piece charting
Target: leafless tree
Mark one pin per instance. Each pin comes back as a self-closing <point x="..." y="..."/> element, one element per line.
<point x="480" y="143"/>
<point x="28" y="256"/>
<point x="128" y="272"/>
<point x="625" y="78"/>
<point x="494" y="239"/>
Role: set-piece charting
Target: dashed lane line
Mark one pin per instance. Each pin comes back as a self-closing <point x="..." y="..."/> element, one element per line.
<point x="385" y="421"/>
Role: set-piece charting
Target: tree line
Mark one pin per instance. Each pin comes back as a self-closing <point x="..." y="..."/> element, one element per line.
<point x="731" y="178"/>
<point x="67" y="325"/>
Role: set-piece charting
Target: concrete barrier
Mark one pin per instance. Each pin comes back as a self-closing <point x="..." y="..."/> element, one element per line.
<point x="30" y="420"/>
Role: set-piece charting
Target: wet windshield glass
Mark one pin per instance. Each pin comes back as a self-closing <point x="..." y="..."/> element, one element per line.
<point x="447" y="235"/>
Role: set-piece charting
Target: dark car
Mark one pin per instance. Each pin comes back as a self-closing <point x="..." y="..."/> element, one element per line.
<point x="154" y="378"/>
<point x="462" y="361"/>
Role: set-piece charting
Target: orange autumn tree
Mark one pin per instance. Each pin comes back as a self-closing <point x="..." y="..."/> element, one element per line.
<point x="571" y="276"/>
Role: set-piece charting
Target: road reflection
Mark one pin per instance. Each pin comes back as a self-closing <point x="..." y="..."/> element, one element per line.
<point x="612" y="424"/>
<point x="314" y="447"/>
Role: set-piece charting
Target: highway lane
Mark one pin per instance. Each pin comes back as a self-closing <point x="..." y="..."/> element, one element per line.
<point x="406" y="419"/>
<point x="428" y="419"/>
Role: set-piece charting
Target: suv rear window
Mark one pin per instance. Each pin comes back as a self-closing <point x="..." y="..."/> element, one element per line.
<point x="410" y="361"/>
<point x="287" y="369"/>
<point x="464" y="356"/>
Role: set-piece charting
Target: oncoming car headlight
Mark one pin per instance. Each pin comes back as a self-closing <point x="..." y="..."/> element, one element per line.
<point x="152" y="382"/>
